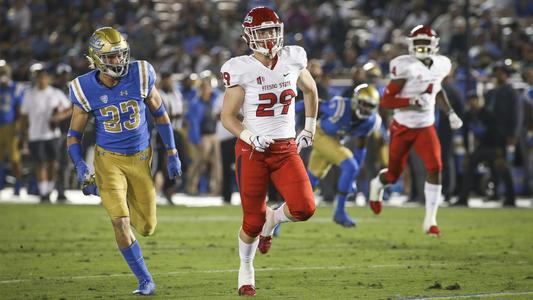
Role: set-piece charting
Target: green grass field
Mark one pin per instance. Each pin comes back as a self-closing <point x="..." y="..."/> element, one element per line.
<point x="68" y="252"/>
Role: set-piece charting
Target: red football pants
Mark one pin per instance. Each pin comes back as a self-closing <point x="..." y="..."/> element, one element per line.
<point x="280" y="164"/>
<point x="426" y="144"/>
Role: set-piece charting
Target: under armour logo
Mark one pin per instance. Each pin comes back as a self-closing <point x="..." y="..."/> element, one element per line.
<point x="103" y="98"/>
<point x="260" y="80"/>
<point x="124" y="93"/>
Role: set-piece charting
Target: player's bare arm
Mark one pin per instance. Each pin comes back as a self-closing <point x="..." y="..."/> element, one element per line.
<point x="307" y="85"/>
<point x="230" y="116"/>
<point x="442" y="102"/>
<point x="154" y="102"/>
<point x="78" y="121"/>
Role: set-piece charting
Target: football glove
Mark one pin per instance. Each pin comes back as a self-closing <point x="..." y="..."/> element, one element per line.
<point x="89" y="187"/>
<point x="261" y="142"/>
<point x="304" y="139"/>
<point x="455" y="121"/>
<point x="420" y="101"/>
<point x="173" y="166"/>
<point x="82" y="171"/>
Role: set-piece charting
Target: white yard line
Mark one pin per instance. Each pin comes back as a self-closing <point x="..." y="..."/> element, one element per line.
<point x="478" y="295"/>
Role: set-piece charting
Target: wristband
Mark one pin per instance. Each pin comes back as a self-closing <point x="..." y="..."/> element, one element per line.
<point x="310" y="124"/>
<point x="160" y="111"/>
<point x="74" y="133"/>
<point x="246" y="136"/>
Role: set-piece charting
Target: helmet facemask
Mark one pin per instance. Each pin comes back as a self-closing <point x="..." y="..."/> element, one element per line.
<point x="266" y="39"/>
<point x="423" y="46"/>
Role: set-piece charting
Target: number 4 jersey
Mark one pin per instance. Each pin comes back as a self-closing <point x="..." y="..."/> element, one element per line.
<point x="119" y="112"/>
<point x="268" y="107"/>
<point x="419" y="79"/>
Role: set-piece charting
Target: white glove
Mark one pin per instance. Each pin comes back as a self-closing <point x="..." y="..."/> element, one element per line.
<point x="421" y="101"/>
<point x="261" y="142"/>
<point x="305" y="138"/>
<point x="258" y="142"/>
<point x="455" y="121"/>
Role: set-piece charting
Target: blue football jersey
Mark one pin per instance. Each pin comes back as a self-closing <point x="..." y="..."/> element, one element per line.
<point x="120" y="111"/>
<point x="338" y="120"/>
<point x="10" y="97"/>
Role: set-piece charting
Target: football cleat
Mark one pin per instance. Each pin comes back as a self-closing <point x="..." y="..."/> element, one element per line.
<point x="433" y="231"/>
<point x="376" y="193"/>
<point x="146" y="287"/>
<point x="247" y="290"/>
<point x="343" y="220"/>
<point x="265" y="242"/>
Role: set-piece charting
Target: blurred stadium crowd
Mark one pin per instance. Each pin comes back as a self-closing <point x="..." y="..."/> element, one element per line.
<point x="347" y="42"/>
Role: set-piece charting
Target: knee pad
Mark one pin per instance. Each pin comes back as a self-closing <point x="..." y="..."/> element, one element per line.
<point x="349" y="170"/>
<point x="252" y="225"/>
<point x="148" y="229"/>
<point x="304" y="211"/>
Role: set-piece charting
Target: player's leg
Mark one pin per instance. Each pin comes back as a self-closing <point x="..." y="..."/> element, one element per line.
<point x="400" y="143"/>
<point x="292" y="182"/>
<point x="16" y="167"/>
<point x="252" y="177"/>
<point x="112" y="184"/>
<point x="427" y="146"/>
<point x="141" y="192"/>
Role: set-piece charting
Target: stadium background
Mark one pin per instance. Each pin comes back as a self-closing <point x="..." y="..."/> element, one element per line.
<point x="67" y="251"/>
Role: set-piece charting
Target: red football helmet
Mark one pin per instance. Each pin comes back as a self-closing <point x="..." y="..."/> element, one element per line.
<point x="423" y="42"/>
<point x="263" y="31"/>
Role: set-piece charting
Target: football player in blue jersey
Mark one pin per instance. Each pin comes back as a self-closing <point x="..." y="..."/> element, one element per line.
<point x="117" y="93"/>
<point x="342" y="117"/>
<point x="10" y="98"/>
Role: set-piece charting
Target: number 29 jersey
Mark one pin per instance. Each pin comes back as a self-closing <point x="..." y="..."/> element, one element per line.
<point x="268" y="107"/>
<point x="120" y="111"/>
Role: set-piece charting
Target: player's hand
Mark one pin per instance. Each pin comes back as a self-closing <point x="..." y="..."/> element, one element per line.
<point x="420" y="101"/>
<point x="89" y="187"/>
<point x="261" y="142"/>
<point x="82" y="172"/>
<point x="455" y="121"/>
<point x="173" y="166"/>
<point x="304" y="139"/>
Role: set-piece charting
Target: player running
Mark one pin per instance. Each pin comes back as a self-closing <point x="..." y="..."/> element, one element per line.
<point x="414" y="90"/>
<point x="117" y="93"/>
<point x="262" y="87"/>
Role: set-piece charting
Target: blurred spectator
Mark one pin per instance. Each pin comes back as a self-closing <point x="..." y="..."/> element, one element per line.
<point x="10" y="99"/>
<point x="202" y="120"/>
<point x="227" y="150"/>
<point x="173" y="101"/>
<point x="19" y="17"/>
<point x="43" y="108"/>
<point x="481" y="138"/>
<point x="62" y="80"/>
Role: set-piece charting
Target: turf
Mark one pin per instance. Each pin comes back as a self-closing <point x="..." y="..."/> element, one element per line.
<point x="68" y="252"/>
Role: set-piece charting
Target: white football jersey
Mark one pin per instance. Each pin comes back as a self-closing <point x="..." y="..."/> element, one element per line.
<point x="419" y="80"/>
<point x="268" y="107"/>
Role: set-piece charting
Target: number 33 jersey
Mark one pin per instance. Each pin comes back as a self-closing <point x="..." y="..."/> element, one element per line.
<point x="419" y="79"/>
<point x="119" y="112"/>
<point x="268" y="107"/>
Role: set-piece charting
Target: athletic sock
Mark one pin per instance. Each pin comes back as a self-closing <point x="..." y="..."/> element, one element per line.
<point x="279" y="215"/>
<point x="50" y="186"/>
<point x="246" y="269"/>
<point x="432" y="193"/>
<point x="341" y="203"/>
<point x="43" y="188"/>
<point x="135" y="260"/>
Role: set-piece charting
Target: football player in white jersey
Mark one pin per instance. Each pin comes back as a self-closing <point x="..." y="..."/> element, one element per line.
<point x="414" y="90"/>
<point x="259" y="109"/>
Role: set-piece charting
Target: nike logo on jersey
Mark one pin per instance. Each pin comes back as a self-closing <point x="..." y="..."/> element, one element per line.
<point x="285" y="74"/>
